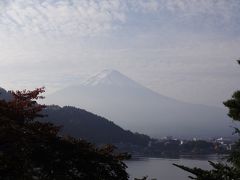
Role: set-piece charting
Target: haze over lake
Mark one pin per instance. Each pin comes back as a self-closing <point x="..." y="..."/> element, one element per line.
<point x="134" y="107"/>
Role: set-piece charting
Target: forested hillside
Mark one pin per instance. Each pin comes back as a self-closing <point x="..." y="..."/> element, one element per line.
<point x="82" y="124"/>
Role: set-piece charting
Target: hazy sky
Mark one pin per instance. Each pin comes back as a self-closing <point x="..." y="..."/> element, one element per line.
<point x="180" y="48"/>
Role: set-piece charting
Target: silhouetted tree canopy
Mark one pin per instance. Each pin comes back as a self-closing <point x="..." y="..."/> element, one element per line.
<point x="34" y="150"/>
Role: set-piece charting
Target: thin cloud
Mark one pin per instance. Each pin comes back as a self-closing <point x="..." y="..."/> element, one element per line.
<point x="156" y="42"/>
<point x="60" y="17"/>
<point x="91" y="17"/>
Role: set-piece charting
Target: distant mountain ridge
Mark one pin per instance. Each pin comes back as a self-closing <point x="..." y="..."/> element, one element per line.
<point x="83" y="124"/>
<point x="80" y="123"/>
<point x="4" y="95"/>
<point x="132" y="106"/>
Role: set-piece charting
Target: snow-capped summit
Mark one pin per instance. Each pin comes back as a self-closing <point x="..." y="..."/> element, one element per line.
<point x="110" y="77"/>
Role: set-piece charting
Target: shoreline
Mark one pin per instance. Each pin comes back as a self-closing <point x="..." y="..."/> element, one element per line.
<point x="182" y="156"/>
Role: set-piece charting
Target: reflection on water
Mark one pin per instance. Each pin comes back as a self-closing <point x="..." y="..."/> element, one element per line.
<point x="162" y="168"/>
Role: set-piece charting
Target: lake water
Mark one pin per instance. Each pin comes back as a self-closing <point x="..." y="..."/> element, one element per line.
<point x="162" y="168"/>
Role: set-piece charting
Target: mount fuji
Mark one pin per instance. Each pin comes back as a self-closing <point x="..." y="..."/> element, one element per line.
<point x="137" y="108"/>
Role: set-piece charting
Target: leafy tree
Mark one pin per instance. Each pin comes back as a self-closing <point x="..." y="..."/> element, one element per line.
<point x="230" y="170"/>
<point x="30" y="149"/>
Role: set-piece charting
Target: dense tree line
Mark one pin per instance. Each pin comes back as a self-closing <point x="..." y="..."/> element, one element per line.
<point x="176" y="148"/>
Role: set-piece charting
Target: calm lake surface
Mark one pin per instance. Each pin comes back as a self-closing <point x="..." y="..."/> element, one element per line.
<point x="162" y="168"/>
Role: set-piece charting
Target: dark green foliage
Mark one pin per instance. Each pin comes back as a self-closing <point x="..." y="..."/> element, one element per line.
<point x="234" y="157"/>
<point x="220" y="172"/>
<point x="198" y="147"/>
<point x="144" y="178"/>
<point x="230" y="170"/>
<point x="33" y="150"/>
<point x="174" y="148"/>
<point x="234" y="106"/>
<point x="238" y="61"/>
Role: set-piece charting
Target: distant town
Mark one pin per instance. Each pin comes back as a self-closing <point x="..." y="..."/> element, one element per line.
<point x="174" y="147"/>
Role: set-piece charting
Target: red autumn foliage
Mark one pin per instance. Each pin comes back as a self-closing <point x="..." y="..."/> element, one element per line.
<point x="23" y="106"/>
<point x="30" y="149"/>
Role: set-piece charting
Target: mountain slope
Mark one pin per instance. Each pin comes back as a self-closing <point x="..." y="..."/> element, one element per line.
<point x="134" y="107"/>
<point x="4" y="95"/>
<point x="82" y="124"/>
